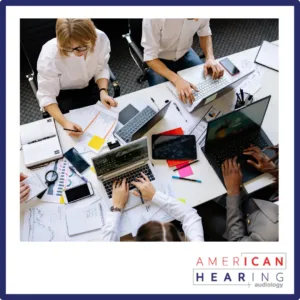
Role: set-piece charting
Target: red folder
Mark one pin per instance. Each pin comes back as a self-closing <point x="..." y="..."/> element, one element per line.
<point x="175" y="131"/>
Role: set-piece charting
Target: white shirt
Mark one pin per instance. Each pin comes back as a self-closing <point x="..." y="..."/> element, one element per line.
<point x="171" y="38"/>
<point x="56" y="72"/>
<point x="191" y="221"/>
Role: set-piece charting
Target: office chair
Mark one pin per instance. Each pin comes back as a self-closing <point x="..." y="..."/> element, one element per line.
<point x="133" y="38"/>
<point x="34" y="34"/>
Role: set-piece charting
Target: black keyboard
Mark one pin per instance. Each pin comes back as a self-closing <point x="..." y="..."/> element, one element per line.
<point x="130" y="176"/>
<point x="236" y="147"/>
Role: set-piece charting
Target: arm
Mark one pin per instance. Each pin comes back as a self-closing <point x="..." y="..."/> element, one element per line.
<point x="151" y="36"/>
<point x="48" y="90"/>
<point x="102" y="71"/>
<point x="205" y="40"/>
<point x="191" y="221"/>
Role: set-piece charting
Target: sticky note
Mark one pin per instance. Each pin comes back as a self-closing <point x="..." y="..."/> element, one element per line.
<point x="93" y="170"/>
<point x="186" y="171"/>
<point x="182" y="200"/>
<point x="61" y="200"/>
<point x="96" y="142"/>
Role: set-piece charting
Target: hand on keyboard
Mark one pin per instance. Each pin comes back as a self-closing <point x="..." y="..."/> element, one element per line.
<point x="216" y="69"/>
<point x="185" y="90"/>
<point x="120" y="193"/>
<point x="145" y="186"/>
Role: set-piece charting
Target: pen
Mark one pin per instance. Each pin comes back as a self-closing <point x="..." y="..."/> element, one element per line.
<point x="154" y="103"/>
<point x="180" y="111"/>
<point x="75" y="171"/>
<point x="242" y="94"/>
<point x="195" y="180"/>
<point x="188" y="164"/>
<point x="238" y="97"/>
<point x="39" y="140"/>
<point x="74" y="130"/>
<point x="141" y="196"/>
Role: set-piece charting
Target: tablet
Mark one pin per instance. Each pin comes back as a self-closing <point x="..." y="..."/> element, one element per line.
<point x="175" y="147"/>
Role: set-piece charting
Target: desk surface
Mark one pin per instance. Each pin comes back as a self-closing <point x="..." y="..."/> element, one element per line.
<point x="211" y="186"/>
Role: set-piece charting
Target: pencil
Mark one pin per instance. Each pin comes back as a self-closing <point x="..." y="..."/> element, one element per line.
<point x="188" y="164"/>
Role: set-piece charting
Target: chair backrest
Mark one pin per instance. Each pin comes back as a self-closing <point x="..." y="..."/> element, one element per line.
<point x="135" y="27"/>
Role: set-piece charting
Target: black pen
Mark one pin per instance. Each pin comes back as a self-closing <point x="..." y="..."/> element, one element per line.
<point x="238" y="97"/>
<point x="39" y="140"/>
<point x="242" y="94"/>
<point x="187" y="164"/>
<point x="154" y="103"/>
<point x="143" y="202"/>
<point x="180" y="111"/>
<point x="73" y="130"/>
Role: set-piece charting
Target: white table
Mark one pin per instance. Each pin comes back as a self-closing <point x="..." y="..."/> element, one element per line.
<point x="211" y="186"/>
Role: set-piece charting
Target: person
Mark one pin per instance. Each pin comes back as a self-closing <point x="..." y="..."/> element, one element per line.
<point x="24" y="188"/>
<point x="153" y="230"/>
<point x="251" y="219"/>
<point x="68" y="68"/>
<point x="167" y="50"/>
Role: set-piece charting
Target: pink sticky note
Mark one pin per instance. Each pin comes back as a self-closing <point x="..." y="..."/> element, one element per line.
<point x="186" y="171"/>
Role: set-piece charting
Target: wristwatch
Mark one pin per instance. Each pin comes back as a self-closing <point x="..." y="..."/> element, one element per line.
<point x="103" y="89"/>
<point x="113" y="208"/>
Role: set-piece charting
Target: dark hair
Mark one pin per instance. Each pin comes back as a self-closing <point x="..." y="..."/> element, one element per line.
<point x="154" y="231"/>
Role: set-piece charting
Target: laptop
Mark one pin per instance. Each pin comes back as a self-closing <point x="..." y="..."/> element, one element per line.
<point x="141" y="123"/>
<point x="211" y="89"/>
<point x="228" y="136"/>
<point x="125" y="161"/>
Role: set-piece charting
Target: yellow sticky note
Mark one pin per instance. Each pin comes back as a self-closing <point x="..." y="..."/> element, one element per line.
<point x="93" y="170"/>
<point x="96" y="142"/>
<point x="61" y="200"/>
<point x="182" y="200"/>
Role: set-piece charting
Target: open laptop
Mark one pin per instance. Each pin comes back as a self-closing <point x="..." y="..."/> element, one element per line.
<point x="125" y="161"/>
<point x="228" y="136"/>
<point x="141" y="123"/>
<point x="211" y="89"/>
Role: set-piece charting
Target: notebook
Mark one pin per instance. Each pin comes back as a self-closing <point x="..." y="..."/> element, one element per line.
<point x="40" y="142"/>
<point x="82" y="219"/>
<point x="268" y="55"/>
<point x="36" y="186"/>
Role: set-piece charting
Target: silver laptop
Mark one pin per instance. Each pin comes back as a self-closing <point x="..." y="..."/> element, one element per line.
<point x="125" y="161"/>
<point x="210" y="89"/>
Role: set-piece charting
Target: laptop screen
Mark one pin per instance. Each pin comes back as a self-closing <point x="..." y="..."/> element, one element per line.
<point x="236" y="122"/>
<point x="121" y="157"/>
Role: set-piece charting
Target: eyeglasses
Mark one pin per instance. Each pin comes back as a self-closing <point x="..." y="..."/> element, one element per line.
<point x="78" y="49"/>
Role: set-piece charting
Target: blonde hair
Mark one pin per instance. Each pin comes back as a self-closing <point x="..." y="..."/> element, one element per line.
<point x="82" y="31"/>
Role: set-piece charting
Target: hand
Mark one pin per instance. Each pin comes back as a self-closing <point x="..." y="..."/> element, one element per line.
<point x="264" y="163"/>
<point x="73" y="126"/>
<point x="232" y="176"/>
<point x="217" y="69"/>
<point x="120" y="193"/>
<point x="145" y="186"/>
<point x="24" y="189"/>
<point x="107" y="100"/>
<point x="185" y="90"/>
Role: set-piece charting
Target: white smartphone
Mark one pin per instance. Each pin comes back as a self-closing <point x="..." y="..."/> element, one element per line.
<point x="78" y="192"/>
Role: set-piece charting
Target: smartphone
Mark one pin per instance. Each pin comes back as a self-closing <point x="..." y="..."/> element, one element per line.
<point x="78" y="162"/>
<point x="78" y="192"/>
<point x="175" y="147"/>
<point x="229" y="66"/>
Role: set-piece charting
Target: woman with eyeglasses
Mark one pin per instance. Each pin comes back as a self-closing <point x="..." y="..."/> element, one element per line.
<point x="73" y="70"/>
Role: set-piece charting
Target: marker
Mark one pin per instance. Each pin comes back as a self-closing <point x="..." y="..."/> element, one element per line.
<point x="188" y="179"/>
<point x="154" y="103"/>
<point x="188" y="164"/>
<point x="75" y="171"/>
<point x="180" y="112"/>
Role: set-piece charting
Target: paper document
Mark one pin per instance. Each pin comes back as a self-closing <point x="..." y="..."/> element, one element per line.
<point x="44" y="223"/>
<point x="268" y="55"/>
<point x="36" y="186"/>
<point x="85" y="218"/>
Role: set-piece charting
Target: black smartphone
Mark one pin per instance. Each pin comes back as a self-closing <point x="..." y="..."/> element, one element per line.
<point x="178" y="147"/>
<point x="78" y="162"/>
<point x="229" y="66"/>
<point x="78" y="192"/>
